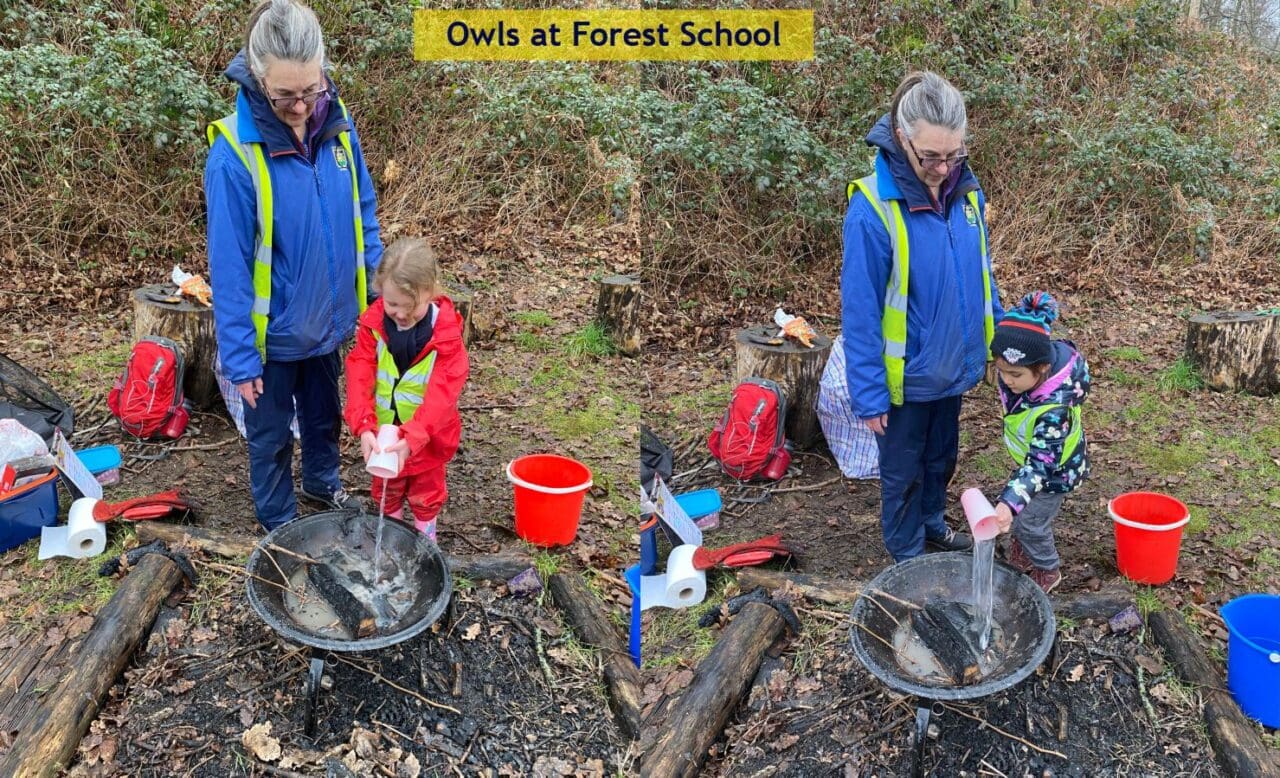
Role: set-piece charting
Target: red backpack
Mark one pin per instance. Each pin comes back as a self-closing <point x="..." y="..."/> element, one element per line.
<point x="147" y="397"/>
<point x="749" y="439"/>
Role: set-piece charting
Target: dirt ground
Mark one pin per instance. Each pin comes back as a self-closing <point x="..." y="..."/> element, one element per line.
<point x="213" y="699"/>
<point x="541" y="380"/>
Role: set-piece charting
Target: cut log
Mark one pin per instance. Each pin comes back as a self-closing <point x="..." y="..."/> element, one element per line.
<point x="618" y="312"/>
<point x="463" y="302"/>
<point x="943" y="637"/>
<point x="188" y="324"/>
<point x="1102" y="604"/>
<point x="591" y="623"/>
<point x="699" y="716"/>
<point x="1236" y="352"/>
<point x="48" y="741"/>
<point x="828" y="590"/>
<point x="482" y="567"/>
<point x="359" y="620"/>
<point x="793" y="367"/>
<point x="1236" y="739"/>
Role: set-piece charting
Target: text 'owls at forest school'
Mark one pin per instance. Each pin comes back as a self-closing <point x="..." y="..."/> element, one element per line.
<point x="583" y="33"/>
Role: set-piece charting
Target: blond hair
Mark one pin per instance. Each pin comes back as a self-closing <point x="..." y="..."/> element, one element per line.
<point x="409" y="265"/>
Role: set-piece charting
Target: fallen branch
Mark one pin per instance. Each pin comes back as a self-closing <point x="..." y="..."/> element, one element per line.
<point x="719" y="683"/>
<point x="1234" y="737"/>
<point x="591" y="622"/>
<point x="48" y="740"/>
<point x="380" y="677"/>
<point x="205" y="446"/>
<point x="1009" y="735"/>
<point x="810" y="487"/>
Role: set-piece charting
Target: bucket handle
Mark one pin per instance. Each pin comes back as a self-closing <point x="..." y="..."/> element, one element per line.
<point x="518" y="481"/>
<point x="1149" y="527"/>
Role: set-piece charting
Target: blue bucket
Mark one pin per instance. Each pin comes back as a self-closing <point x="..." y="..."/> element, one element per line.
<point x="1253" y="655"/>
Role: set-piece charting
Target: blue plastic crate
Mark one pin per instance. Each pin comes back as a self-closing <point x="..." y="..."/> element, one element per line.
<point x="27" y="509"/>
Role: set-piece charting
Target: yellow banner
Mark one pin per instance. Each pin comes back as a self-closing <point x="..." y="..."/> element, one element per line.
<point x="615" y="35"/>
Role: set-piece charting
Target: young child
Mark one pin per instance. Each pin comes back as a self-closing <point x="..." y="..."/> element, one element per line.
<point x="1042" y="384"/>
<point x="407" y="368"/>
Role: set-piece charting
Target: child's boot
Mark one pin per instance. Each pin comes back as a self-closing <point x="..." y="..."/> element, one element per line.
<point x="427" y="528"/>
<point x="1018" y="557"/>
<point x="1047" y="580"/>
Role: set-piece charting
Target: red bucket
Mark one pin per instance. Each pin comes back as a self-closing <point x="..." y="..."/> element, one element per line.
<point x="1148" y="535"/>
<point x="549" y="491"/>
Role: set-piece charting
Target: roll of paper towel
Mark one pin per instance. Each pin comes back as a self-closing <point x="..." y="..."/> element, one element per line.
<point x="82" y="537"/>
<point x="681" y="586"/>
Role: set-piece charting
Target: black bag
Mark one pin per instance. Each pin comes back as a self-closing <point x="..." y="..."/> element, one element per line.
<point x="656" y="457"/>
<point x="32" y="402"/>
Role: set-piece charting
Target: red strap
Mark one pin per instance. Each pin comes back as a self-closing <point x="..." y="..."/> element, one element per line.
<point x="752" y="552"/>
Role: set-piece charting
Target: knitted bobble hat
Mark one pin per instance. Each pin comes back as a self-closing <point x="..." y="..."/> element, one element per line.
<point x="1022" y="336"/>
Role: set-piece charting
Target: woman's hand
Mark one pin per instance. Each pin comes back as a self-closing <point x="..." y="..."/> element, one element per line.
<point x="250" y="391"/>
<point x="878" y="424"/>
<point x="368" y="444"/>
<point x="1004" y="517"/>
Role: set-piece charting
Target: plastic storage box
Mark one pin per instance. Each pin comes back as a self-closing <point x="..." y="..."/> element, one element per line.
<point x="27" y="509"/>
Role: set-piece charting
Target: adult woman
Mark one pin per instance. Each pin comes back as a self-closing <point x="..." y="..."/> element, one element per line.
<point x="919" y="305"/>
<point x="292" y="239"/>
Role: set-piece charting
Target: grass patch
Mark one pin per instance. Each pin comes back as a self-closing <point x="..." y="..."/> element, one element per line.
<point x="1167" y="460"/>
<point x="462" y="583"/>
<point x="590" y="341"/>
<point x="537" y="319"/>
<point x="1181" y="376"/>
<point x="672" y="637"/>
<point x="1121" y="377"/>
<point x="529" y="341"/>
<point x="1199" y="519"/>
<point x="1127" y="354"/>
<point x="103" y="362"/>
<point x="500" y="381"/>
<point x="546" y="563"/>
<point x="1148" y="601"/>
<point x="1066" y="624"/>
<point x="993" y="464"/>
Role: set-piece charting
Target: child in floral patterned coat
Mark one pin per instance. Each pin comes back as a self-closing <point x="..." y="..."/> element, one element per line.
<point x="1042" y="384"/>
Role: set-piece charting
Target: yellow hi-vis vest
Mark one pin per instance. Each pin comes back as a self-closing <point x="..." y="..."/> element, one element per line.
<point x="893" y="323"/>
<point x="395" y="394"/>
<point x="1018" y="428"/>
<point x="252" y="157"/>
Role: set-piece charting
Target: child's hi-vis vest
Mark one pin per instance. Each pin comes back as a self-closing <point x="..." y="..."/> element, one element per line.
<point x="252" y="157"/>
<point x="893" y="323"/>
<point x="1018" y="428"/>
<point x="395" y="394"/>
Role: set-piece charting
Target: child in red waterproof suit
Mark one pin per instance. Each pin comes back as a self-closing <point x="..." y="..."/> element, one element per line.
<point x="407" y="368"/>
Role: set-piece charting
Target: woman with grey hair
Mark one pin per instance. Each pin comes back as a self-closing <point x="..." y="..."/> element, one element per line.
<point x="293" y="240"/>
<point x="919" y="305"/>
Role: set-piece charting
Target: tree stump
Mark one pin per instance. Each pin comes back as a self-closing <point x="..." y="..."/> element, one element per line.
<point x="618" y="312"/>
<point x="188" y="324"/>
<point x="463" y="300"/>
<point x="1236" y="351"/>
<point x="793" y="367"/>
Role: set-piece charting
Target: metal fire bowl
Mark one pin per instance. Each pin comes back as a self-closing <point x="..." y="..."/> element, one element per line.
<point x="1020" y="607"/>
<point x="313" y="536"/>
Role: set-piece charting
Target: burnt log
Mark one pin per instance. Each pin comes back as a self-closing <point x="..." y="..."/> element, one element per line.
<point x="591" y="623"/>
<point x="795" y="368"/>
<point x="353" y="614"/>
<point x="937" y="630"/>
<point x="1236" y="351"/>
<point x="722" y="678"/>
<point x="464" y="303"/>
<point x="1236" y="739"/>
<point x="48" y="740"/>
<point x="618" y="312"/>
<point x="190" y="325"/>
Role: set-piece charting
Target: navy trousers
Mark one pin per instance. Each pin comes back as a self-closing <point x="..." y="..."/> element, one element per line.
<point x="917" y="459"/>
<point x="313" y="383"/>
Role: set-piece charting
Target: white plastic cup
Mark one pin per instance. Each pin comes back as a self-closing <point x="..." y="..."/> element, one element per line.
<point x="381" y="464"/>
<point x="980" y="514"/>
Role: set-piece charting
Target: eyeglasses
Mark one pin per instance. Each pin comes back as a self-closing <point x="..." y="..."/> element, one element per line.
<point x="285" y="103"/>
<point x="932" y="161"/>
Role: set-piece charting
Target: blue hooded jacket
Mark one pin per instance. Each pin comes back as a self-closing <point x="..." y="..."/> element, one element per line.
<point x="313" y="263"/>
<point x="946" y="344"/>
